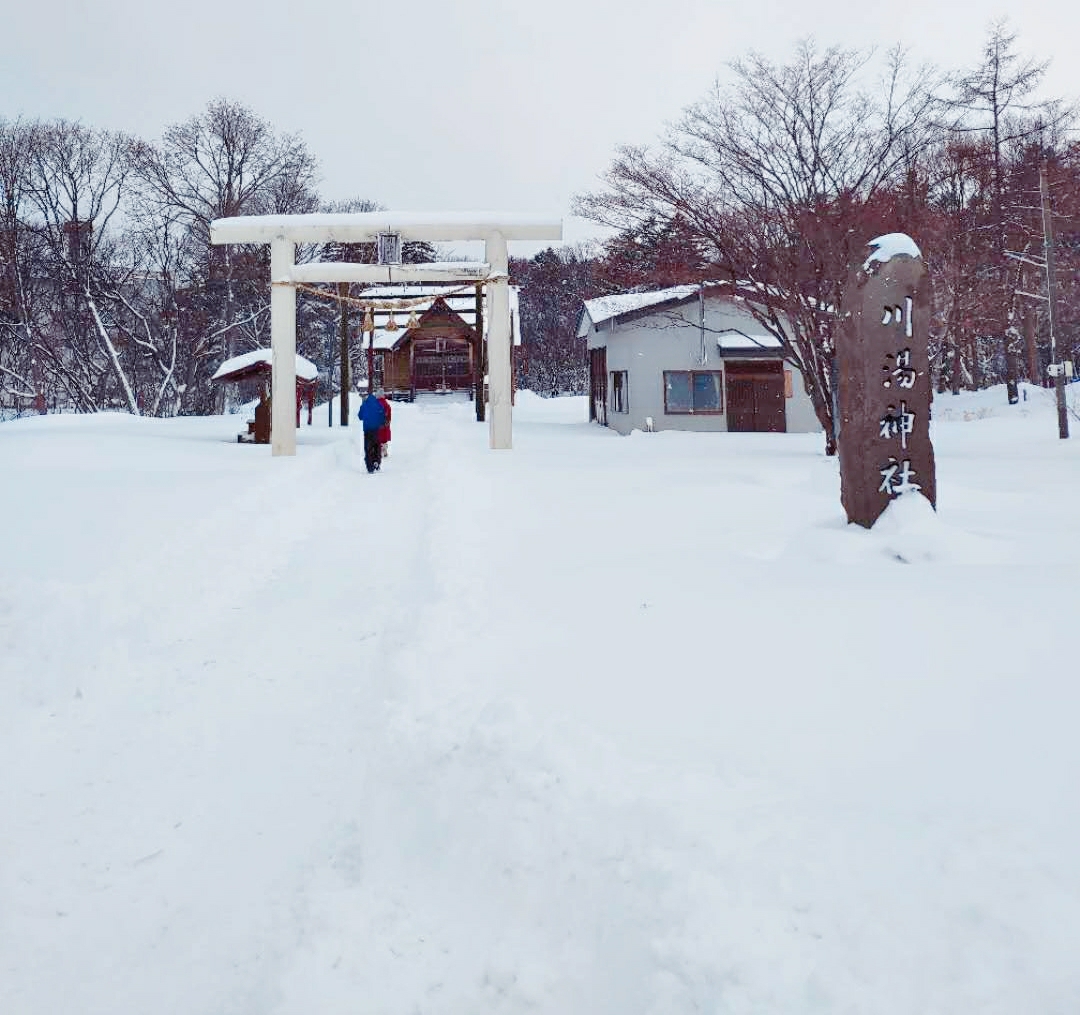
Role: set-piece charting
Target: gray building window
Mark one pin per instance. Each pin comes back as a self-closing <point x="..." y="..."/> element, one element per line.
<point x="620" y="401"/>
<point x="697" y="392"/>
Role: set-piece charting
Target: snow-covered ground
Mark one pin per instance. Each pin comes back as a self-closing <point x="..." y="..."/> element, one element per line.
<point x="601" y="725"/>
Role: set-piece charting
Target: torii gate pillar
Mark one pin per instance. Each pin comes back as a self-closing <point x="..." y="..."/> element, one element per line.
<point x="500" y="380"/>
<point x="283" y="232"/>
<point x="283" y="347"/>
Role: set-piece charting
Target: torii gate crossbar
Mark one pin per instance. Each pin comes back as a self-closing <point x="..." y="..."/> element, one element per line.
<point x="284" y="232"/>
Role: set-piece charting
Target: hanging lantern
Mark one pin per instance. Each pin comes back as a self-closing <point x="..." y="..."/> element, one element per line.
<point x="369" y="324"/>
<point x="391" y="325"/>
<point x="413" y="321"/>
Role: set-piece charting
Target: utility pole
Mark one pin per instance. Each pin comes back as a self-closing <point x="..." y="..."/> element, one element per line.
<point x="343" y="295"/>
<point x="1057" y="368"/>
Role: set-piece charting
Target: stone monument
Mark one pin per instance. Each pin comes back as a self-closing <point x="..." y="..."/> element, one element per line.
<point x="883" y="391"/>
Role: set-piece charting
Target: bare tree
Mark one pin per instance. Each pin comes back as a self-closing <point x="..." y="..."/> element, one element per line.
<point x="145" y="310"/>
<point x="784" y="173"/>
<point x="553" y="284"/>
<point x="225" y="161"/>
<point x="77" y="184"/>
<point x="22" y="302"/>
<point x="995" y="102"/>
<point x="955" y="255"/>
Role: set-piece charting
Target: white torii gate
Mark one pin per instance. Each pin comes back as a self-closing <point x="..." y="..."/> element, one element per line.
<point x="284" y="232"/>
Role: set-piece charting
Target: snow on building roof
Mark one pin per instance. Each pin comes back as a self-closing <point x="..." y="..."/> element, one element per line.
<point x="740" y="340"/>
<point x="462" y="303"/>
<point x="305" y="369"/>
<point x="603" y="308"/>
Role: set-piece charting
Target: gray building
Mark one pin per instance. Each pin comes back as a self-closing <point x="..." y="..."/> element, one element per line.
<point x="689" y="358"/>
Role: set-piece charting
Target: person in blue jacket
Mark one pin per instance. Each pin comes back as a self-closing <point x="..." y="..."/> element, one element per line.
<point x="373" y="416"/>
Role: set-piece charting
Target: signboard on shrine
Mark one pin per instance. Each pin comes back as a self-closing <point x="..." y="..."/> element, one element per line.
<point x="884" y="390"/>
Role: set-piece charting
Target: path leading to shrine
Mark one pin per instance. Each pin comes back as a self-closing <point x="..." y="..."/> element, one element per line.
<point x="599" y="725"/>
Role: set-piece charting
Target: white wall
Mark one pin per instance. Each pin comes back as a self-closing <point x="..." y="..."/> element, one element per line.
<point x="671" y="340"/>
<point x="801" y="417"/>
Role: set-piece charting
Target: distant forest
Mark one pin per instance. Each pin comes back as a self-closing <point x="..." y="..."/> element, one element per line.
<point x="112" y="297"/>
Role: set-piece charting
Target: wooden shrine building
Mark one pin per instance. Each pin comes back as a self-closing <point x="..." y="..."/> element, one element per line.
<point x="434" y="346"/>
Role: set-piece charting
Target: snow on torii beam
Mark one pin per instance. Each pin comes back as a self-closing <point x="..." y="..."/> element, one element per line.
<point x="389" y="274"/>
<point x="283" y="232"/>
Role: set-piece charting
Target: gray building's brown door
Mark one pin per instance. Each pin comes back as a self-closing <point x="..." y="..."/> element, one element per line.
<point x="598" y="385"/>
<point x="755" y="397"/>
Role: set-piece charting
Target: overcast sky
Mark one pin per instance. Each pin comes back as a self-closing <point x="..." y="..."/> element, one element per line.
<point x="446" y="105"/>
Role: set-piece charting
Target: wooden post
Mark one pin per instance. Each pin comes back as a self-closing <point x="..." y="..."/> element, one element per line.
<point x="371" y="363"/>
<point x="478" y="360"/>
<point x="346" y="383"/>
<point x="330" y="379"/>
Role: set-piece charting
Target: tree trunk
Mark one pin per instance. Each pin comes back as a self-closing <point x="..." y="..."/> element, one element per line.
<point x="1030" y="346"/>
<point x="825" y="412"/>
<point x="133" y="404"/>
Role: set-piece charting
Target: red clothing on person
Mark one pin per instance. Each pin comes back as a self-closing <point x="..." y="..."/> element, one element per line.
<point x="384" y="430"/>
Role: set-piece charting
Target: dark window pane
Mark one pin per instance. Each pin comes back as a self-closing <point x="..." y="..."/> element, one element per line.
<point x="706" y="392"/>
<point x="677" y="391"/>
<point x="618" y="390"/>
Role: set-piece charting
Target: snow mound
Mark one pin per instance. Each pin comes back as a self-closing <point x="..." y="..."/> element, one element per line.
<point x="909" y="531"/>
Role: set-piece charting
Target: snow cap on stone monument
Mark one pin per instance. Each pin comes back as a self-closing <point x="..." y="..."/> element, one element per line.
<point x="885" y="248"/>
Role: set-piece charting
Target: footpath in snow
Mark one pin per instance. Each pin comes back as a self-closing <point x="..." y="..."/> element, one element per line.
<point x="601" y="725"/>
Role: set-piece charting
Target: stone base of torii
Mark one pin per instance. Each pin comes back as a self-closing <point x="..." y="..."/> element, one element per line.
<point x="284" y="232"/>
